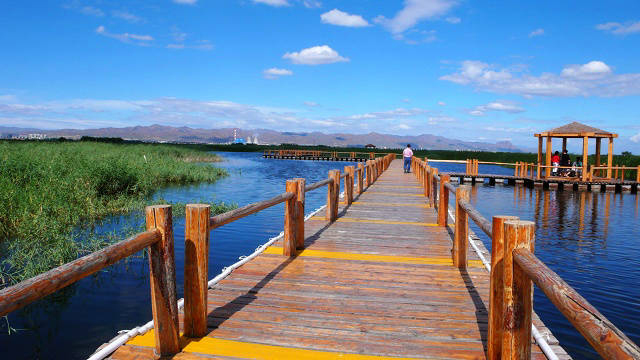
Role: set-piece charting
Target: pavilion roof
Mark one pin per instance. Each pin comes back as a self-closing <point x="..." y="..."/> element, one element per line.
<point x="576" y="129"/>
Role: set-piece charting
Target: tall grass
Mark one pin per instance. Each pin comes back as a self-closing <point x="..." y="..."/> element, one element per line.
<point x="49" y="188"/>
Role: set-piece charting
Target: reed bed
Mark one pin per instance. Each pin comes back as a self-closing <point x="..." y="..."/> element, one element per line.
<point x="49" y="190"/>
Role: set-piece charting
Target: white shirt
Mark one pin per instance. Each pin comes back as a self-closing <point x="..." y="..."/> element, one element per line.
<point x="407" y="153"/>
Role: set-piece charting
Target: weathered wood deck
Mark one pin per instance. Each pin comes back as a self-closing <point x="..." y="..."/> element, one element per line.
<point x="379" y="282"/>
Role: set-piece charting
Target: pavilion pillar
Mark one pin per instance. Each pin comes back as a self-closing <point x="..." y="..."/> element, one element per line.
<point x="564" y="144"/>
<point x="585" y="158"/>
<point x="598" y="148"/>
<point x="539" y="150"/>
<point x="610" y="158"/>
<point x="548" y="158"/>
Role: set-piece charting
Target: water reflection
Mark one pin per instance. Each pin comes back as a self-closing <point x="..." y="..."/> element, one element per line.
<point x="590" y="239"/>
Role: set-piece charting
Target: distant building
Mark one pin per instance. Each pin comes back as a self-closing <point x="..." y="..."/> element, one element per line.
<point x="369" y="146"/>
<point x="29" y="137"/>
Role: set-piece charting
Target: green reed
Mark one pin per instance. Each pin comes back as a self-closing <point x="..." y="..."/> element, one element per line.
<point x="48" y="189"/>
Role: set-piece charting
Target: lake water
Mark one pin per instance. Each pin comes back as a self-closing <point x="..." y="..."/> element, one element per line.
<point x="589" y="239"/>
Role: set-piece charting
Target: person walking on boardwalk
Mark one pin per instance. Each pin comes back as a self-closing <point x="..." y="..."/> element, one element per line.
<point x="406" y="156"/>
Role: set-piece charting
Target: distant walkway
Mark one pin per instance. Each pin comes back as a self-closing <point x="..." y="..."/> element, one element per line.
<point x="379" y="282"/>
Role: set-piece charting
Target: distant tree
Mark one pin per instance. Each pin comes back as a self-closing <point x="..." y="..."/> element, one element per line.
<point x="626" y="153"/>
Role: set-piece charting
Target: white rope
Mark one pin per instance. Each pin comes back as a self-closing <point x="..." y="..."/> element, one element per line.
<point x="540" y="340"/>
<point x="114" y="344"/>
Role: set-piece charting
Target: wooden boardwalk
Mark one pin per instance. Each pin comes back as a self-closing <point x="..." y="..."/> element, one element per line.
<point x="379" y="282"/>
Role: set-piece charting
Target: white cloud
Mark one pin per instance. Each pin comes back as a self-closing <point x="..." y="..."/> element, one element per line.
<point x="8" y="98"/>
<point x="316" y="55"/>
<point x="498" y="105"/>
<point x="198" y="45"/>
<point x="590" y="70"/>
<point x="311" y="104"/>
<point x="90" y="10"/>
<point x="594" y="78"/>
<point x="536" y="32"/>
<point x="274" y="73"/>
<point x="273" y="2"/>
<point x="388" y="115"/>
<point x="185" y="2"/>
<point x="415" y="11"/>
<point x="453" y="20"/>
<point x="127" y="16"/>
<point x="635" y="138"/>
<point x="142" y="40"/>
<point x="439" y="119"/>
<point x="406" y="100"/>
<point x="620" y="29"/>
<point x="403" y="127"/>
<point x="442" y="103"/>
<point x="340" y="18"/>
<point x="312" y="3"/>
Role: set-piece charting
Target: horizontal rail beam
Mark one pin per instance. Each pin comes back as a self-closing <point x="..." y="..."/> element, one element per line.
<point x="35" y="288"/>
<point x="229" y="216"/>
<point x="475" y="215"/>
<point x="317" y="185"/>
<point x="606" y="338"/>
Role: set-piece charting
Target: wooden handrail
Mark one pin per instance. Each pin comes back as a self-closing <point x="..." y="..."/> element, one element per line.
<point x="35" y="288"/>
<point x="233" y="215"/>
<point x="474" y="214"/>
<point x="158" y="238"/>
<point x="609" y="341"/>
<point x="512" y="256"/>
<point x="316" y="185"/>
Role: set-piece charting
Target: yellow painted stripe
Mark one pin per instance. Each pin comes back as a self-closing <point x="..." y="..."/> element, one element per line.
<point x="373" y="221"/>
<point x="389" y="204"/>
<point x="247" y="350"/>
<point x="276" y="250"/>
<point x="392" y="193"/>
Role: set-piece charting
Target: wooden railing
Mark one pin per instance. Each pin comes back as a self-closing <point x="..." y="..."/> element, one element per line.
<point x="325" y="154"/>
<point x="158" y="239"/>
<point x="199" y="225"/>
<point x="513" y="269"/>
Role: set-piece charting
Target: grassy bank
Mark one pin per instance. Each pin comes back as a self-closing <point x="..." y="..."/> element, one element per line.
<point x="48" y="189"/>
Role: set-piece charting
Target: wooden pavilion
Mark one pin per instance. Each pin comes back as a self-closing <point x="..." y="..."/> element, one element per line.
<point x="578" y="131"/>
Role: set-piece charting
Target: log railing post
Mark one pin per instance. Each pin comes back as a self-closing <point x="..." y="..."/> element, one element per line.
<point x="196" y="269"/>
<point x="443" y="202"/>
<point x="331" y="189"/>
<point x="163" y="281"/>
<point x="517" y="303"/>
<point x="427" y="184"/>
<point x="461" y="234"/>
<point x="434" y="187"/>
<point x="369" y="175"/>
<point x="496" y="290"/>
<point x="360" y="178"/>
<point x="300" y="202"/>
<point x="638" y="174"/>
<point x="348" y="184"/>
<point x="290" y="242"/>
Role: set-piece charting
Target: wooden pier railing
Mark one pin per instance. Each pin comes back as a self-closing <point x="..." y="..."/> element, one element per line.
<point x="158" y="239"/>
<point x="513" y="269"/>
<point x="199" y="225"/>
<point x="316" y="154"/>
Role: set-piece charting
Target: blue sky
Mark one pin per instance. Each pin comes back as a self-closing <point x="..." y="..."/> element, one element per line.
<point x="471" y="70"/>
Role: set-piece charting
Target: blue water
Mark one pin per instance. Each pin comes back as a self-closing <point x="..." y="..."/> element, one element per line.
<point x="590" y="239"/>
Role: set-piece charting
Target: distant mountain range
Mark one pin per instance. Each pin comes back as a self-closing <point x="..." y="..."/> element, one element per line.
<point x="160" y="133"/>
